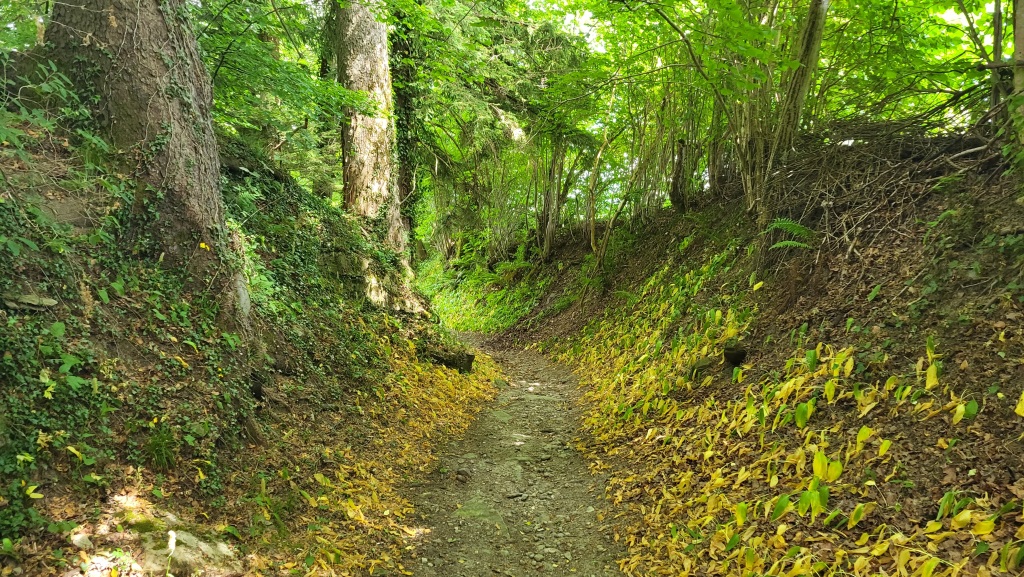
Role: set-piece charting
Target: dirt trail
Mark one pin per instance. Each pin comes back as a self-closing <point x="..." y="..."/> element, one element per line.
<point x="512" y="498"/>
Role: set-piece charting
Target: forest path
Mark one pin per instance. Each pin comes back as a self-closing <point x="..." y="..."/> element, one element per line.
<point x="511" y="497"/>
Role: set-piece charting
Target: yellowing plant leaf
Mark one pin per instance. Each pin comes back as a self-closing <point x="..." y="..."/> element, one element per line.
<point x="983" y="528"/>
<point x="961" y="520"/>
<point x="931" y="377"/>
<point x="31" y="492"/>
<point x="884" y="447"/>
<point x="933" y="526"/>
<point x="867" y="409"/>
<point x="835" y="468"/>
<point x="820" y="465"/>
<point x="860" y="564"/>
<point x="862" y="436"/>
<point x="929" y="567"/>
<point x="855" y="516"/>
<point x="741" y="514"/>
<point x="830" y="389"/>
<point x="958" y="413"/>
<point x="1020" y="406"/>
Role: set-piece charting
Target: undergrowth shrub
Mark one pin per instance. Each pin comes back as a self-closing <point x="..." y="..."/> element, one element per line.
<point x="724" y="467"/>
<point x="478" y="299"/>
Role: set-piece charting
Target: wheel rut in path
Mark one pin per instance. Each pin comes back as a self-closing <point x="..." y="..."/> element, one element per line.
<point x="511" y="497"/>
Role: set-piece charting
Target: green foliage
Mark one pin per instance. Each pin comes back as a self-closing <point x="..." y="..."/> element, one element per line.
<point x="160" y="448"/>
<point x="794" y="228"/>
<point x="478" y="300"/>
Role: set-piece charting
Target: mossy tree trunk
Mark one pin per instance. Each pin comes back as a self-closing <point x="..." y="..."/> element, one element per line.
<point x="407" y="52"/>
<point x="140" y="61"/>
<point x="369" y="140"/>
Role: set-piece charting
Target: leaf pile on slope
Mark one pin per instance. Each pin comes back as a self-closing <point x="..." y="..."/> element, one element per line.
<point x="813" y="467"/>
<point x="348" y="517"/>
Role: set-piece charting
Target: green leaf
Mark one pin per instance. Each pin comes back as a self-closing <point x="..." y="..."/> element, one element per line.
<point x="831" y="517"/>
<point x="780" y="507"/>
<point x="803" y="412"/>
<point x="792" y="227"/>
<point x="874" y="292"/>
<point x="789" y="244"/>
<point x="856" y="516"/>
<point x="230" y="530"/>
<point x="57" y="329"/>
<point x="971" y="409"/>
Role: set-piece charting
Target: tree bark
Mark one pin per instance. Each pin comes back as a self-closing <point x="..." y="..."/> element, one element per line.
<point x="552" y="199"/>
<point x="1018" y="67"/>
<point x="140" y="60"/>
<point x="799" y="83"/>
<point x="997" y="57"/>
<point x="797" y="86"/>
<point x="677" y="192"/>
<point x="369" y="141"/>
<point x="407" y="50"/>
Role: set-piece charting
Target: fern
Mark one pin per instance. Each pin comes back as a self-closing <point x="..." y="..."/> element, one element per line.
<point x="789" y="244"/>
<point x="792" y="227"/>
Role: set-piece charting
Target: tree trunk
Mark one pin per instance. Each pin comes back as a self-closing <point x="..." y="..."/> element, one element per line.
<point x="368" y="141"/>
<point x="403" y="69"/>
<point x="552" y="199"/>
<point x="997" y="57"/>
<point x="1018" y="67"/>
<point x="140" y="61"/>
<point x="797" y="87"/>
<point x="677" y="189"/>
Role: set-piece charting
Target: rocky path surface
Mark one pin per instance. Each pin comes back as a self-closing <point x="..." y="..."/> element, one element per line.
<point x="511" y="497"/>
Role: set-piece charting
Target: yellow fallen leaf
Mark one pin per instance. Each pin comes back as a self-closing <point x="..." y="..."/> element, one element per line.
<point x="958" y="413"/>
<point x="933" y="526"/>
<point x="931" y="377"/>
<point x="929" y="567"/>
<point x="1020" y="405"/>
<point x="884" y="447"/>
<point x="983" y="528"/>
<point x="962" y="519"/>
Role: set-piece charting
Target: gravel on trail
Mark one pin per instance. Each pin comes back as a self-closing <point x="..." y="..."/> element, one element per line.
<point x="512" y="497"/>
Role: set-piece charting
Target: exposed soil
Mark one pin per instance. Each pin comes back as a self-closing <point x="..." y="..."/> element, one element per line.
<point x="512" y="497"/>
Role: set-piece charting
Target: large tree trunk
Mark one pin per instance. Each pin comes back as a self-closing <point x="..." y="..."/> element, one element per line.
<point x="407" y="49"/>
<point x="369" y="141"/>
<point x="139" y="59"/>
<point x="1018" y="67"/>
